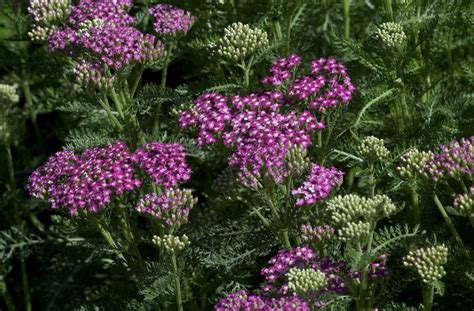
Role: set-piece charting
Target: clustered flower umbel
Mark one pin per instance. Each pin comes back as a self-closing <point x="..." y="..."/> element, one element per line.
<point x="8" y="94"/>
<point x="428" y="262"/>
<point x="89" y="181"/>
<point x="171" y="244"/>
<point x="413" y="163"/>
<point x="464" y="203"/>
<point x="244" y="300"/>
<point x="255" y="128"/>
<point x="100" y="33"/>
<point x="305" y="281"/>
<point x="372" y="149"/>
<point x="171" y="207"/>
<point x="241" y="41"/>
<point x="47" y="16"/>
<point x="391" y="34"/>
<point x="169" y="20"/>
<point x="327" y="85"/>
<point x="301" y="276"/>
<point x="353" y="215"/>
<point x="454" y="160"/>
<point x="318" y="185"/>
<point x="259" y="128"/>
<point x="316" y="234"/>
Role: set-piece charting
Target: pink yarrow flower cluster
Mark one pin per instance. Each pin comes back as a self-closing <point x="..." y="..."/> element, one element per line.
<point x="91" y="180"/>
<point x="318" y="185"/>
<point x="164" y="163"/>
<point x="244" y="300"/>
<point x="100" y="29"/>
<point x="169" y="20"/>
<point x="327" y="85"/>
<point x="171" y="207"/>
<point x="255" y="128"/>
<point x="453" y="160"/>
<point x="85" y="182"/>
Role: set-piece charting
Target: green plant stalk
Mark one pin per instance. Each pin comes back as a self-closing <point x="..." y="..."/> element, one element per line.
<point x="415" y="205"/>
<point x="117" y="102"/>
<point x="346" y="5"/>
<point x="136" y="81"/>
<point x="24" y="274"/>
<point x="428" y="295"/>
<point x="113" y="120"/>
<point x="164" y="72"/>
<point x="177" y="283"/>
<point x="26" y="287"/>
<point x="372" y="182"/>
<point x="450" y="224"/>
<point x="364" y="299"/>
<point x="33" y="116"/>
<point x="110" y="240"/>
<point x="389" y="10"/>
<point x="6" y="295"/>
<point x="277" y="30"/>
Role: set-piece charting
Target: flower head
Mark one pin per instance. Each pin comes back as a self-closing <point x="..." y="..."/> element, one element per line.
<point x="428" y="262"/>
<point x="169" y="20"/>
<point x="391" y="34"/>
<point x="372" y="149"/>
<point x="170" y="243"/>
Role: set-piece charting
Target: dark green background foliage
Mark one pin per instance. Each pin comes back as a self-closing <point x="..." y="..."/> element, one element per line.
<point x="68" y="265"/>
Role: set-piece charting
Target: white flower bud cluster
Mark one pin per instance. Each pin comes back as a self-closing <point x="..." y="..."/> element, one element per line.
<point x="372" y="149"/>
<point x="171" y="243"/>
<point x="353" y="214"/>
<point x="47" y="14"/>
<point x="300" y="281"/>
<point x="413" y="163"/>
<point x="90" y="74"/>
<point x="428" y="262"/>
<point x="391" y="34"/>
<point x="464" y="203"/>
<point x="241" y="41"/>
<point x="296" y="161"/>
<point x="354" y="231"/>
<point x="8" y="95"/>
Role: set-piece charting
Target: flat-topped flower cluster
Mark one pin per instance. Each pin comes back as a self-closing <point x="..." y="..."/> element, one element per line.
<point x="90" y="181"/>
<point x="261" y="128"/>
<point x="102" y="34"/>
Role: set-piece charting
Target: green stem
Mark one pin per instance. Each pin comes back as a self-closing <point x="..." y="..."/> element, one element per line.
<point x="262" y="218"/>
<point x="113" y="120"/>
<point x="110" y="240"/>
<point x="415" y="205"/>
<point x="346" y="4"/>
<point x="277" y="29"/>
<point x="288" y="37"/>
<point x="6" y="296"/>
<point x="371" y="182"/>
<point x="389" y="10"/>
<point x="10" y="166"/>
<point x="29" y="103"/>
<point x="136" y="81"/>
<point x="177" y="283"/>
<point x="450" y="224"/>
<point x="117" y="102"/>
<point x="285" y="239"/>
<point x="164" y="72"/>
<point x="428" y="295"/>
<point x="26" y="287"/>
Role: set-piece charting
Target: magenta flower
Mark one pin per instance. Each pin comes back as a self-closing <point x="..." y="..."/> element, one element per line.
<point x="164" y="163"/>
<point x="317" y="186"/>
<point x="172" y="207"/>
<point x="170" y="20"/>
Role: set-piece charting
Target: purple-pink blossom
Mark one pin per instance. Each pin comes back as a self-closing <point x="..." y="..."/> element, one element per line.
<point x="171" y="207"/>
<point x="318" y="185"/>
<point x="164" y="163"/>
<point x="169" y="20"/>
<point x="86" y="182"/>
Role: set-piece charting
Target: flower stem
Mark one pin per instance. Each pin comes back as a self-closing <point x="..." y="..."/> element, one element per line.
<point x="346" y="4"/>
<point x="164" y="72"/>
<point x="113" y="120"/>
<point x="177" y="283"/>
<point x="26" y="287"/>
<point x="117" y="102"/>
<point x="428" y="295"/>
<point x="6" y="295"/>
<point x="415" y="205"/>
<point x="29" y="103"/>
<point x="136" y="81"/>
<point x="110" y="240"/>
<point x="450" y="224"/>
<point x="389" y="10"/>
